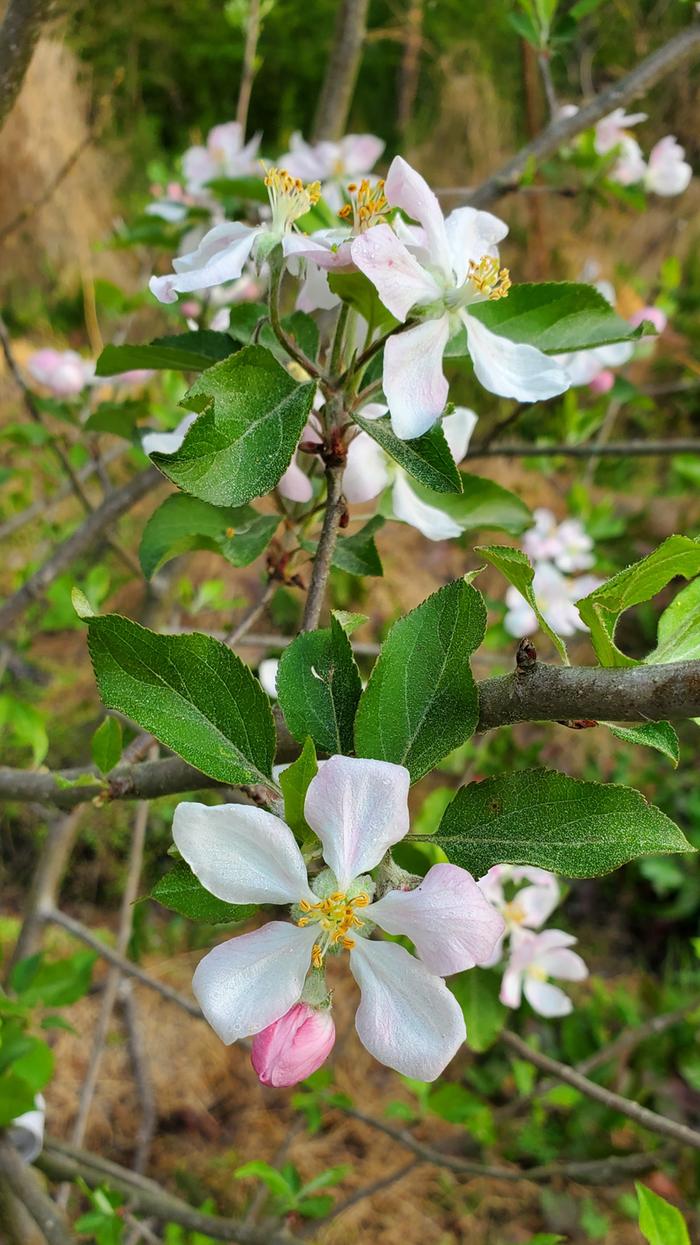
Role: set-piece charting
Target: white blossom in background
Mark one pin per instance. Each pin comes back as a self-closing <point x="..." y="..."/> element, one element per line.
<point x="527" y="907"/>
<point x="446" y="268"/>
<point x="407" y="1018"/>
<point x="333" y="164"/>
<point x="267" y="674"/>
<point x="668" y="172"/>
<point x="534" y="959"/>
<point x="226" y="154"/>
<point x="65" y="373"/>
<point x="611" y="130"/>
<point x="555" y="594"/>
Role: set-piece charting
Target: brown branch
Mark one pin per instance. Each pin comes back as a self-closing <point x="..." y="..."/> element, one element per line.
<point x="25" y="1186"/>
<point x="361" y="1194"/>
<point x="609" y="449"/>
<point x="342" y="68"/>
<point x="640" y="79"/>
<point x="243" y="627"/>
<point x="334" y="507"/>
<point x="20" y="30"/>
<point x="148" y="1119"/>
<point x="650" y="1120"/>
<point x="248" y="69"/>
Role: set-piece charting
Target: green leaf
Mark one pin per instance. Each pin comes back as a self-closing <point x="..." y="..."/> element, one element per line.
<point x="541" y="817"/>
<point x="482" y="504"/>
<point x="274" y="1179"/>
<point x="484" y="1014"/>
<point x="319" y="685"/>
<point x="58" y="983"/>
<point x="107" y="744"/>
<point x="428" y="458"/>
<point x="36" y="1065"/>
<point x="421" y="700"/>
<point x="518" y="570"/>
<point x="253" y="416"/>
<point x="358" y="554"/>
<point x="191" y="692"/>
<point x="556" y="316"/>
<point x="182" y="524"/>
<point x="250" y="540"/>
<point x="251" y="188"/>
<point x="182" y="892"/>
<point x="117" y="418"/>
<point x="600" y="610"/>
<point x="357" y="290"/>
<point x="678" y="636"/>
<point x="659" y="735"/>
<point x="16" y="1097"/>
<point x="294" y="781"/>
<point x="184" y="352"/>
<point x="660" y="1223"/>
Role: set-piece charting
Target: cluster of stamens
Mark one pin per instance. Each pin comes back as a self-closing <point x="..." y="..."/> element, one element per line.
<point x="514" y="912"/>
<point x="289" y="197"/>
<point x="488" y="278"/>
<point x="336" y="916"/>
<point x="367" y="205"/>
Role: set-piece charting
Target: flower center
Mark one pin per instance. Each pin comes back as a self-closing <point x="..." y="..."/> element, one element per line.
<point x="488" y="279"/>
<point x="366" y="207"/>
<point x="537" y="973"/>
<point x="336" y="917"/>
<point x="289" y="197"/>
<point x="514" y="913"/>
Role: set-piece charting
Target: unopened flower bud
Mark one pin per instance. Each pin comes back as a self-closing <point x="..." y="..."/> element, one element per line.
<point x="293" y="1047"/>
<point x="603" y="382"/>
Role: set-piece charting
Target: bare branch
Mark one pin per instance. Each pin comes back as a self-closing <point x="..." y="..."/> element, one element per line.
<point x="343" y="65"/>
<point x="243" y="627"/>
<point x="25" y="1186"/>
<point x="45" y="504"/>
<point x="609" y="449"/>
<point x="334" y="507"/>
<point x="20" y="30"/>
<point x="252" y="34"/>
<point x="641" y="79"/>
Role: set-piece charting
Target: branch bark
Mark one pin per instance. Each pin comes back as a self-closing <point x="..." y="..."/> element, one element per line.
<point x="324" y="554"/>
<point x="25" y="1186"/>
<point x="334" y="102"/>
<point x="19" y="33"/>
<point x="644" y="76"/>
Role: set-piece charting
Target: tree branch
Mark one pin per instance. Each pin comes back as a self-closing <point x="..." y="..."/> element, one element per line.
<point x="636" y="83"/>
<point x="334" y="507"/>
<point x="25" y="1186"/>
<point x="609" y="449"/>
<point x="252" y="34"/>
<point x="343" y="66"/>
<point x="37" y="508"/>
<point x="19" y="33"/>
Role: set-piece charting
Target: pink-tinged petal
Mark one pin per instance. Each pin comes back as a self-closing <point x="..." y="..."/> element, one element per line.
<point x="458" y="428"/>
<point x="564" y="964"/>
<point x="329" y="248"/>
<point x="406" y="189"/>
<point x="398" y="278"/>
<point x="245" y="984"/>
<point x="470" y="236"/>
<point x="198" y="168"/>
<point x="241" y="854"/>
<point x="546" y="999"/>
<point x="358" y="809"/>
<point x="513" y="369"/>
<point x="550" y="940"/>
<point x="293" y="1047"/>
<point x="219" y="257"/>
<point x="654" y="315"/>
<point x="431" y="522"/>
<point x="295" y="485"/>
<point x="602" y="382"/>
<point x="407" y="1019"/>
<point x="359" y="152"/>
<point x="366" y="471"/>
<point x="447" y="918"/>
<point x="668" y="173"/>
<point x="512" y="987"/>
<point x="537" y="903"/>
<point x="414" y="383"/>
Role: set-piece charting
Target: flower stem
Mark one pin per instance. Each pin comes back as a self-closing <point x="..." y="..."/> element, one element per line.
<point x="326" y="546"/>
<point x="276" y="261"/>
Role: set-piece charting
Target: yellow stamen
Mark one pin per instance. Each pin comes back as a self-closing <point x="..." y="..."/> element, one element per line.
<point x="367" y="205"/>
<point x="336" y="916"/>
<point x="289" y="197"/>
<point x="317" y="956"/>
<point x="488" y="278"/>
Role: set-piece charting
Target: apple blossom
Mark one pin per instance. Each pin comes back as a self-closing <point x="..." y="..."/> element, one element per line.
<point x="453" y="265"/>
<point x="267" y="674"/>
<point x="332" y="163"/>
<point x="654" y="315"/>
<point x="602" y="382"/>
<point x="611" y="130"/>
<point x="567" y="544"/>
<point x="529" y="907"/>
<point x="535" y="957"/>
<point x="555" y="596"/>
<point x="226" y="154"/>
<point x="668" y="172"/>
<point x="407" y="1018"/>
<point x="294" y="1046"/>
<point x="64" y="372"/>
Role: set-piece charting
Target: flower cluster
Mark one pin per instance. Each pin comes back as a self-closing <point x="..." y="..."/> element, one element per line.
<point x="557" y="551"/>
<point x="526" y="898"/>
<point x="665" y="173"/>
<point x="65" y="373"/>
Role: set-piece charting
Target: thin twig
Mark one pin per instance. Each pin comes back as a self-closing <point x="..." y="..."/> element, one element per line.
<point x="243" y="627"/>
<point x="367" y="1191"/>
<point x="334" y="507"/>
<point x="250" y="47"/>
<point x="25" y="1186"/>
<point x="42" y="896"/>
<point x="611" y="449"/>
<point x="148" y="1115"/>
<point x="41" y="507"/>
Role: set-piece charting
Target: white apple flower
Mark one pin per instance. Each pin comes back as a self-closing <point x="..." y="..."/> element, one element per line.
<point x="612" y="130"/>
<point x="222" y="253"/>
<point x="584" y="366"/>
<point x="668" y="172"/>
<point x="455" y="266"/>
<point x="555" y="595"/>
<point x="332" y="163"/>
<point x="226" y="154"/>
<point x="407" y="1017"/>
<point x="529" y="907"/>
<point x="567" y="544"/>
<point x="65" y="373"/>
<point x="535" y="957"/>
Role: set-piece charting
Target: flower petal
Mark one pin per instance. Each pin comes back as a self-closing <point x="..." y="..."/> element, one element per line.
<point x="414" y="384"/>
<point x="513" y="369"/>
<point x="407" y="1019"/>
<point x="245" y="984"/>
<point x="366" y="471"/>
<point x="470" y="236"/>
<point x="219" y="257"/>
<point x="241" y="854"/>
<point x="458" y="428"/>
<point x="537" y="903"/>
<point x="295" y="485"/>
<point x="358" y="809"/>
<point x="447" y="918"/>
<point x="512" y="987"/>
<point x="428" y="520"/>
<point x="406" y="189"/>
<point x="564" y="964"/>
<point x="398" y="278"/>
<point x="546" y="999"/>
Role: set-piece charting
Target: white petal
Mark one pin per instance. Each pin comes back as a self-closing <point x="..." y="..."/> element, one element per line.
<point x="538" y="903"/>
<point x="428" y="520"/>
<point x="315" y="294"/>
<point x="358" y="809"/>
<point x="366" y="471"/>
<point x="414" y="384"/>
<point x="512" y="369"/>
<point x="447" y="918"/>
<point x="245" y="984"/>
<point x="564" y="964"/>
<point x="398" y="278"/>
<point x="458" y="428"/>
<point x="512" y="987"/>
<point x="295" y="485"/>
<point x="546" y="999"/>
<point x="167" y="442"/>
<point x="267" y="674"/>
<point x="407" y="1018"/>
<point x="241" y="854"/>
<point x="360" y="152"/>
<point x="470" y="236"/>
<point x="406" y="189"/>
<point x="219" y="257"/>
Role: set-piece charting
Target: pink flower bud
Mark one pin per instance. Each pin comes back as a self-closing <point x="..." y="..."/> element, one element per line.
<point x="293" y="1047"/>
<point x="654" y="315"/>
<point x="603" y="382"/>
<point x="190" y="308"/>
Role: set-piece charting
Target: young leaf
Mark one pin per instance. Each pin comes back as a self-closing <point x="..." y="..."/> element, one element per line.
<point x="243" y="442"/>
<point x="181" y="892"/>
<point x="518" y="570"/>
<point x="58" y="983"/>
<point x="540" y="817"/>
<point x="357" y="290"/>
<point x="421" y="700"/>
<point x="600" y="610"/>
<point x="358" y="554"/>
<point x="294" y="781"/>
<point x="318" y="685"/>
<point x="678" y="637"/>
<point x="485" y="1015"/>
<point x="482" y="504"/>
<point x="556" y="316"/>
<point x="107" y="744"/>
<point x="182" y="523"/>
<point x="185" y="352"/>
<point x="191" y="692"/>
<point x="659" y="735"/>
<point x="660" y="1223"/>
<point x="428" y="458"/>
